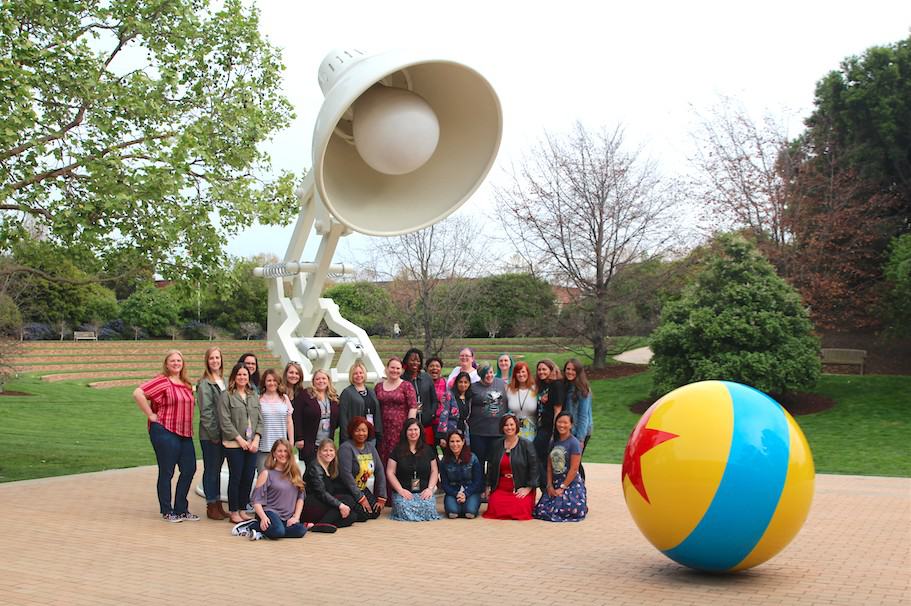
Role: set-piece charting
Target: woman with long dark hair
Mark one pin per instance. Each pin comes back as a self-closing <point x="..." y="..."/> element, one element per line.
<point x="251" y="363"/>
<point x="578" y="400"/>
<point x="564" y="499"/>
<point x="167" y="401"/>
<point x="454" y="415"/>
<point x="241" y="430"/>
<point x="461" y="477"/>
<point x="549" y="390"/>
<point x="424" y="391"/>
<point x="412" y="474"/>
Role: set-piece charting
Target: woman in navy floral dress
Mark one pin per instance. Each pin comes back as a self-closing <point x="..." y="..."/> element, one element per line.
<point x="565" y="497"/>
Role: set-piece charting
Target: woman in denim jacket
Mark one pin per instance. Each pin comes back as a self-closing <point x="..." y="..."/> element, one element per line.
<point x="461" y="477"/>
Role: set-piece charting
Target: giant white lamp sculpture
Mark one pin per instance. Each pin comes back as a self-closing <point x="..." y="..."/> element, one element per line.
<point x="401" y="141"/>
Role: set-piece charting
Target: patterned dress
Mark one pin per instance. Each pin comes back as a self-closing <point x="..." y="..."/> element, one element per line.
<point x="572" y="505"/>
<point x="394" y="405"/>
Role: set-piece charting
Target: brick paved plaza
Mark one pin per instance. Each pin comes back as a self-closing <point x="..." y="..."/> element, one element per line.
<point x="96" y="539"/>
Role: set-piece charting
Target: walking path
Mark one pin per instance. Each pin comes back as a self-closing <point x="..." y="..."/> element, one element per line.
<point x="96" y="539"/>
<point x="640" y="355"/>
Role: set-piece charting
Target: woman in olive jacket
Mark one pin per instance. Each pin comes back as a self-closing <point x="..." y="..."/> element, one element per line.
<point x="241" y="429"/>
<point x="208" y="393"/>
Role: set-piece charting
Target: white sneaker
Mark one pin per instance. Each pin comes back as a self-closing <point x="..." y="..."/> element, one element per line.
<point x="254" y="535"/>
<point x="242" y="528"/>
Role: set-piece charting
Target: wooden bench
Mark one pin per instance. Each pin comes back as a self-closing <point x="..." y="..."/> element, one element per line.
<point x="84" y="335"/>
<point x="846" y="357"/>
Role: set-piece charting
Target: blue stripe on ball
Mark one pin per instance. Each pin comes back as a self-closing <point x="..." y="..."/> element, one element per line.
<point x="748" y="494"/>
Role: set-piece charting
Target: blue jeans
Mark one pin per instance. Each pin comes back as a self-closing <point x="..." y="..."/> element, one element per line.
<point x="213" y="455"/>
<point x="241" y="469"/>
<point x="471" y="505"/>
<point x="480" y="445"/>
<point x="172" y="450"/>
<point x="278" y="529"/>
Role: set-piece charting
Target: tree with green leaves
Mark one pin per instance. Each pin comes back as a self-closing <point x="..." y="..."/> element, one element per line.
<point x="366" y="304"/>
<point x="862" y="116"/>
<point x="738" y="321"/>
<point x="138" y="124"/>
<point x="898" y="279"/>
<point x="152" y="309"/>
<point x="57" y="288"/>
<point x="501" y="302"/>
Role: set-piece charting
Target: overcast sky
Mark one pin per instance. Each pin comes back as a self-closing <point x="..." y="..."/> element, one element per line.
<point x="649" y="66"/>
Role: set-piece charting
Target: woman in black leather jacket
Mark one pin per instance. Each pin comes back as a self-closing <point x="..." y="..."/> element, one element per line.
<point x="512" y="474"/>
<point x="327" y="506"/>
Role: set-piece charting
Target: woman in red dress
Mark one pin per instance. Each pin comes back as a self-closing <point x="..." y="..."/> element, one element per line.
<point x="512" y="474"/>
<point x="397" y="403"/>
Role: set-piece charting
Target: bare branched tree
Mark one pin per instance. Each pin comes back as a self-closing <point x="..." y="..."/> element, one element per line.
<point x="583" y="208"/>
<point x="746" y="172"/>
<point x="428" y="267"/>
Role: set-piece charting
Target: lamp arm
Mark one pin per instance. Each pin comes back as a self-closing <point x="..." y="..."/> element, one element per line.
<point x="294" y="318"/>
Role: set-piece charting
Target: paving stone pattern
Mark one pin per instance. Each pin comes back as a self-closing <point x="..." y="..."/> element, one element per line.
<point x="96" y="539"/>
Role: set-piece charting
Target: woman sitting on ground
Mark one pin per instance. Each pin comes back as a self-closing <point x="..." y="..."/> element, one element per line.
<point x="278" y="498"/>
<point x="359" y="400"/>
<point x="360" y="469"/>
<point x="328" y="505"/>
<point x="412" y="475"/>
<point x="565" y="499"/>
<point x="512" y="474"/>
<point x="461" y="478"/>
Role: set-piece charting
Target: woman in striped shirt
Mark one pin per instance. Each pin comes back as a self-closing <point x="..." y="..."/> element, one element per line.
<point x="277" y="420"/>
<point x="167" y="401"/>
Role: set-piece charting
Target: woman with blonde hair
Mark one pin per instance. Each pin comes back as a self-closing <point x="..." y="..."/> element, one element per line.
<point x="358" y="400"/>
<point x="208" y="391"/>
<point x="278" y="498"/>
<point x="167" y="400"/>
<point x="241" y="431"/>
<point x="316" y="416"/>
<point x="277" y="415"/>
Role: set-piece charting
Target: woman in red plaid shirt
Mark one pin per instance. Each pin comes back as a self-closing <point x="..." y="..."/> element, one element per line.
<point x="167" y="400"/>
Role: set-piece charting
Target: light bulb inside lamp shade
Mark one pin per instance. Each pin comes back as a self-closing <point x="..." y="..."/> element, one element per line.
<point x="395" y="130"/>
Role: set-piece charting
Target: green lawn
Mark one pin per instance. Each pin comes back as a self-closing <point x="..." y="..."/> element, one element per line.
<point x="68" y="428"/>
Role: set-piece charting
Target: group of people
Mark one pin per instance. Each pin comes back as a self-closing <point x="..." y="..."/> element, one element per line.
<point x="504" y="433"/>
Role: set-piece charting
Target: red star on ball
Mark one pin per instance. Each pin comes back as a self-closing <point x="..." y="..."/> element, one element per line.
<point x="642" y="441"/>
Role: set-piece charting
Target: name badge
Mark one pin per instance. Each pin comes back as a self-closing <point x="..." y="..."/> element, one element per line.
<point x="370" y="418"/>
<point x="324" y="423"/>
